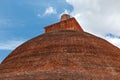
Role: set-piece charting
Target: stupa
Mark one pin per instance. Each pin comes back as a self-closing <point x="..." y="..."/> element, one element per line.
<point x="64" y="52"/>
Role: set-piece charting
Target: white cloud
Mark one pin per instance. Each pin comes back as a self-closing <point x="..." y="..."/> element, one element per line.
<point x="50" y="10"/>
<point x="98" y="17"/>
<point x="10" y="45"/>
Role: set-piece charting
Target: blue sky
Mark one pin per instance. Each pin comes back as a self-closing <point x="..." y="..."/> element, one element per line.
<point x="21" y="20"/>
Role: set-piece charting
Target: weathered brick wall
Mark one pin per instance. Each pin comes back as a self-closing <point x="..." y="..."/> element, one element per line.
<point x="69" y="24"/>
<point x="64" y="50"/>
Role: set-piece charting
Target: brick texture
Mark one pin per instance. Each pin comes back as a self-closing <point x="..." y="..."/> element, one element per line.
<point x="60" y="55"/>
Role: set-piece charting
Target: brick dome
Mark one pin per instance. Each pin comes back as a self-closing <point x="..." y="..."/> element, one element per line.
<point x="63" y="55"/>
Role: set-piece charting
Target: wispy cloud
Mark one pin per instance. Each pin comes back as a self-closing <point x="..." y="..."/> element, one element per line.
<point x="50" y="10"/>
<point x="10" y="45"/>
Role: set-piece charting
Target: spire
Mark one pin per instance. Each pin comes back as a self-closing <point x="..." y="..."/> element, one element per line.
<point x="66" y="23"/>
<point x="65" y="17"/>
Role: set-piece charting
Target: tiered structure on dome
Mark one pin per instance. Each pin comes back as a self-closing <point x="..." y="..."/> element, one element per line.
<point x="63" y="52"/>
<point x="66" y="23"/>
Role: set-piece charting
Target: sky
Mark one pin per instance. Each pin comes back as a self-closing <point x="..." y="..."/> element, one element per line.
<point x="21" y="20"/>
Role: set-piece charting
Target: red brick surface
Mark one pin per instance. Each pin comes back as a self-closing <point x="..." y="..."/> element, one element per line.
<point x="63" y="55"/>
